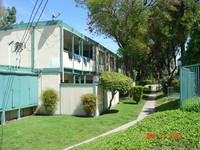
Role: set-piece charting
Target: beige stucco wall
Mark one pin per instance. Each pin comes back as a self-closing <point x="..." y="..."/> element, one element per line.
<point x="47" y="47"/>
<point x="71" y="103"/>
<point x="14" y="35"/>
<point x="49" y="80"/>
<point x="70" y="98"/>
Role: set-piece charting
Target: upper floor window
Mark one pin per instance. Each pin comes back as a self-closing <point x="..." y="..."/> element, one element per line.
<point x="111" y="62"/>
<point x="101" y="58"/>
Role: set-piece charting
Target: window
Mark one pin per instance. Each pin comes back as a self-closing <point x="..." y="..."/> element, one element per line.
<point x="101" y="58"/>
<point x="111" y="62"/>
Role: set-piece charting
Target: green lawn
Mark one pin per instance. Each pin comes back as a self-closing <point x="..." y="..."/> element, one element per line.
<point x="168" y="120"/>
<point x="58" y="132"/>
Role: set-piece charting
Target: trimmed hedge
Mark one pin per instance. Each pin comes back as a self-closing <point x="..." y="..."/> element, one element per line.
<point x="49" y="99"/>
<point x="89" y="103"/>
<point x="191" y="105"/>
<point x="148" y="81"/>
<point x="137" y="92"/>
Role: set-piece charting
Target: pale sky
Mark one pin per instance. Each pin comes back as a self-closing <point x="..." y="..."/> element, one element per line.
<point x="70" y="14"/>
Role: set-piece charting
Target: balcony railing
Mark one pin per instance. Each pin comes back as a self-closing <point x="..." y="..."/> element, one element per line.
<point x="73" y="60"/>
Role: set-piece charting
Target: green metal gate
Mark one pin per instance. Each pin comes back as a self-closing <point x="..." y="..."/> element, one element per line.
<point x="17" y="91"/>
<point x="189" y="82"/>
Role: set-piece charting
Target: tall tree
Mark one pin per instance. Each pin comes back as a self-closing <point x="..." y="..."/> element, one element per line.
<point x="10" y="16"/>
<point x="192" y="55"/>
<point x="123" y="20"/>
<point x="170" y="24"/>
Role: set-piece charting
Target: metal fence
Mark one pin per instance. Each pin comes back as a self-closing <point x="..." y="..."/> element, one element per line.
<point x="189" y="82"/>
<point x="171" y="93"/>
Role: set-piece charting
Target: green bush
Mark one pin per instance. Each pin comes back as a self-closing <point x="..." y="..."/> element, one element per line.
<point x="191" y="105"/>
<point x="148" y="81"/>
<point x="49" y="99"/>
<point x="134" y="75"/>
<point x="89" y="103"/>
<point x="114" y="82"/>
<point x="137" y="92"/>
<point x="176" y="84"/>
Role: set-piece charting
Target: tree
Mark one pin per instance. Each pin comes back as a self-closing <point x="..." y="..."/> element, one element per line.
<point x="170" y="24"/>
<point x="123" y="20"/>
<point x="115" y="82"/>
<point x="2" y="12"/>
<point x="10" y="16"/>
<point x="192" y="55"/>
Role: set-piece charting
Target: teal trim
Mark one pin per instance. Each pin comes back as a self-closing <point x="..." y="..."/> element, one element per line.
<point x="82" y="48"/>
<point x="73" y="51"/>
<point x="61" y="49"/>
<point x="79" y="79"/>
<point x="194" y="65"/>
<point x="74" y="79"/>
<point x="21" y="107"/>
<point x="50" y="70"/>
<point x="24" y="25"/>
<point x="71" y="84"/>
<point x="85" y="78"/>
<point x="18" y="113"/>
<point x="33" y="48"/>
<point x="3" y="117"/>
<point x="94" y="89"/>
<point x="78" y="72"/>
<point x="14" y="68"/>
<point x="18" y="73"/>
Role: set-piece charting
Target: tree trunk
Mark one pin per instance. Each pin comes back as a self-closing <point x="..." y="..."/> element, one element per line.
<point x="182" y="49"/>
<point x="113" y="94"/>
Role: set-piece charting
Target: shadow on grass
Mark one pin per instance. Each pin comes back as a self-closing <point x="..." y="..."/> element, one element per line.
<point x="112" y="111"/>
<point x="145" y="97"/>
<point x="169" y="105"/>
<point x="161" y="96"/>
<point x="132" y="103"/>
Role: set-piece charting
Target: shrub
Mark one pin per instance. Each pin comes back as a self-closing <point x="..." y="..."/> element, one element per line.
<point x="89" y="103"/>
<point x="134" y="75"/>
<point x="176" y="84"/>
<point x="148" y="81"/>
<point x="192" y="104"/>
<point x="137" y="92"/>
<point x="49" y="99"/>
<point x="115" y="82"/>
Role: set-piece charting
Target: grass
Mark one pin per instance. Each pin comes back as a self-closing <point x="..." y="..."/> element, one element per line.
<point x="168" y="120"/>
<point x="58" y="132"/>
<point x="191" y="104"/>
<point x="146" y="92"/>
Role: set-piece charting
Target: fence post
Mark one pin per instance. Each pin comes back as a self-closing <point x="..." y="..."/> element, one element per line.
<point x="181" y="85"/>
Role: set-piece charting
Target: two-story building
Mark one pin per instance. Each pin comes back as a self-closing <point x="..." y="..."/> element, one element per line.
<point x="50" y="54"/>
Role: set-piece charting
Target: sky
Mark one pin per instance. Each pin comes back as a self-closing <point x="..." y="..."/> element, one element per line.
<point x="70" y="14"/>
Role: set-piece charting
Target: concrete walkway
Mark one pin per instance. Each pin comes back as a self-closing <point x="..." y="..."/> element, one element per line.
<point x="148" y="108"/>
